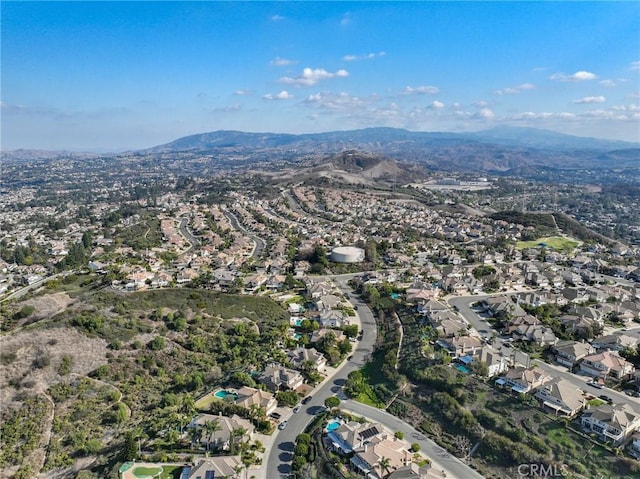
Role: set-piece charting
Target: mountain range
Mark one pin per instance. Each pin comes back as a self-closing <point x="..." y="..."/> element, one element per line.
<point x="502" y="150"/>
<point x="378" y="137"/>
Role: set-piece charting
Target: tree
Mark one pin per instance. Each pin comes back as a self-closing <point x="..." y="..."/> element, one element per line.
<point x="332" y="402"/>
<point x="287" y="398"/>
<point x="385" y="465"/>
<point x="211" y="427"/>
<point x="236" y="442"/>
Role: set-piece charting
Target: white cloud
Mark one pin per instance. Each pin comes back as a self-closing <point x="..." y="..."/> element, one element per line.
<point x="338" y="101"/>
<point x="436" y="105"/>
<point x="367" y="56"/>
<point x="281" y="62"/>
<point x="635" y="65"/>
<point x="577" y="76"/>
<point x="479" y="104"/>
<point x="635" y="95"/>
<point x="242" y="92"/>
<point x="283" y="95"/>
<point x="228" y="108"/>
<point x="591" y="99"/>
<point x="485" y="114"/>
<point x="515" y="89"/>
<point x="277" y="18"/>
<point x="608" y="83"/>
<point x="617" y="113"/>
<point x="311" y="76"/>
<point x="530" y="115"/>
<point x="346" y="19"/>
<point x="421" y="90"/>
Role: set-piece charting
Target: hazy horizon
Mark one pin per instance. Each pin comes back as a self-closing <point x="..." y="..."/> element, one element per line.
<point x="115" y="76"/>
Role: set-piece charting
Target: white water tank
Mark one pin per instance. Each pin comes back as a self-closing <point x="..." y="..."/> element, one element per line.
<point x="347" y="254"/>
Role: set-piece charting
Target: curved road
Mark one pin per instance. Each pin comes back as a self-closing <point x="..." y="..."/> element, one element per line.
<point x="441" y="460"/>
<point x="260" y="244"/>
<point x="279" y="460"/>
<point x="187" y="235"/>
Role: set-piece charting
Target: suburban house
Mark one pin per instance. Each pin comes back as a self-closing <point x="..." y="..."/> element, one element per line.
<point x="248" y="396"/>
<point x="615" y="342"/>
<point x="327" y="302"/>
<point x="277" y="377"/>
<point x="607" y="364"/>
<point x="535" y="334"/>
<point x="427" y="308"/>
<point x="319" y="334"/>
<point x="448" y="327"/>
<point x="332" y="318"/>
<point x="579" y="325"/>
<point x="562" y="397"/>
<point x="611" y="423"/>
<point x="366" y="458"/>
<point x="496" y="362"/>
<point x="221" y="439"/>
<point x="317" y="290"/>
<point x="300" y="355"/>
<point x="210" y="467"/>
<point x="460" y="345"/>
<point x="347" y="437"/>
<point x="568" y="353"/>
<point x="523" y="380"/>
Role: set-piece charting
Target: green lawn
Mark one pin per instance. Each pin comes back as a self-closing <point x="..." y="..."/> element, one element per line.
<point x="144" y="472"/>
<point x="556" y="242"/>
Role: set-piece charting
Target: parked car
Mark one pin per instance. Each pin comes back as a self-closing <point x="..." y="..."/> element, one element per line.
<point x="275" y="415"/>
<point x="595" y="385"/>
<point x="296" y="409"/>
<point x="605" y="398"/>
<point x="306" y="400"/>
<point x="282" y="425"/>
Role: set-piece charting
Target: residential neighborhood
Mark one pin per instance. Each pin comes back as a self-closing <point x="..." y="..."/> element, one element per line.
<point x="553" y="327"/>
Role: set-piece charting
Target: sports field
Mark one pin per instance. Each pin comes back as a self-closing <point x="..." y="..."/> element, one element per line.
<point x="558" y="243"/>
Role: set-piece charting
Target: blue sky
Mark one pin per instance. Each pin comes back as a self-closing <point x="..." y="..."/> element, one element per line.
<point x="115" y="75"/>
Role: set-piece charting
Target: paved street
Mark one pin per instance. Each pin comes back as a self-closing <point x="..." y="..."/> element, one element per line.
<point x="279" y="459"/>
<point x="440" y="458"/>
<point x="278" y="464"/>
<point x="259" y="243"/>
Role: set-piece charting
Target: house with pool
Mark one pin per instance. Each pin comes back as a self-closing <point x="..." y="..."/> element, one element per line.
<point x="366" y="444"/>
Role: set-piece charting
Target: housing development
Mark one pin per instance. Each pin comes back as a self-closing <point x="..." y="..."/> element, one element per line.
<point x="324" y="319"/>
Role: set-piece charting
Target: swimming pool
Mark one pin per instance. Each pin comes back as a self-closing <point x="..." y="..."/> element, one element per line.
<point x="461" y="368"/>
<point x="333" y="425"/>
<point x="223" y="394"/>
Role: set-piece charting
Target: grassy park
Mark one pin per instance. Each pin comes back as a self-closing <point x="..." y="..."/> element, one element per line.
<point x="558" y="243"/>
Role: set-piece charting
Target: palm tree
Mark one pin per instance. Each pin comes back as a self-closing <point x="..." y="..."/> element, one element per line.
<point x="385" y="465"/>
<point x="210" y="428"/>
<point x="195" y="433"/>
<point x="237" y="433"/>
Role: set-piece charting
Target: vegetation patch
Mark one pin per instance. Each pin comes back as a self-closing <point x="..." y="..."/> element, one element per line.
<point x="558" y="243"/>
